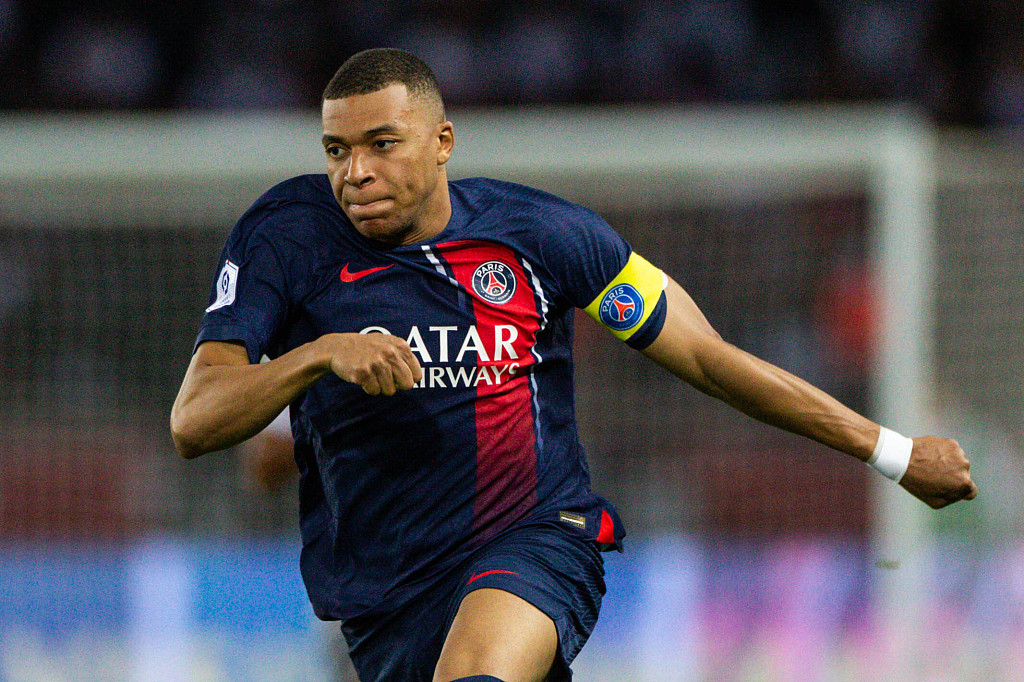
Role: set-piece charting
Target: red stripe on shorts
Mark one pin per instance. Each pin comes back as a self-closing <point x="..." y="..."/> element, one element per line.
<point x="481" y="575"/>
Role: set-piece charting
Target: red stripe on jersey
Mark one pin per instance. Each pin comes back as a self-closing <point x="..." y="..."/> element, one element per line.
<point x="506" y="453"/>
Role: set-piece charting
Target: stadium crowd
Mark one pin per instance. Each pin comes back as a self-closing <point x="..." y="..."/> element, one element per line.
<point x="963" y="61"/>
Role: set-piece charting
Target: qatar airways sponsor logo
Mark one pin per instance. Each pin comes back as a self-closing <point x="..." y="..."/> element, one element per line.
<point x="442" y="349"/>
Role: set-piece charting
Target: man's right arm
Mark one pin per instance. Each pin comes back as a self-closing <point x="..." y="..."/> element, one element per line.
<point x="225" y="400"/>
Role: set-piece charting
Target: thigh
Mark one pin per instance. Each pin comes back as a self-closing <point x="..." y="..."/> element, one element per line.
<point x="527" y="605"/>
<point x="497" y="633"/>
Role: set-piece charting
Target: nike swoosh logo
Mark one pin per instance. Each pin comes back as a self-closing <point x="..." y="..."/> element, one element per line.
<point x="481" y="575"/>
<point x="347" y="276"/>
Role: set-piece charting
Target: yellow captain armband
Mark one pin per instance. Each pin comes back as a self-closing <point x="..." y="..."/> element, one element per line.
<point x="630" y="298"/>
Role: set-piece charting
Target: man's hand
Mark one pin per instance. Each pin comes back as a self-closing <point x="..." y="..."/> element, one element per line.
<point x="939" y="473"/>
<point x="224" y="399"/>
<point x="379" y="363"/>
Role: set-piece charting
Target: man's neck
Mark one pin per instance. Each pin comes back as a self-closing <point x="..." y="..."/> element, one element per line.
<point x="435" y="215"/>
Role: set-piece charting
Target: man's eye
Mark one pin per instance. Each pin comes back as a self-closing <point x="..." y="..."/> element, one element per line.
<point x="335" y="152"/>
<point x="384" y="145"/>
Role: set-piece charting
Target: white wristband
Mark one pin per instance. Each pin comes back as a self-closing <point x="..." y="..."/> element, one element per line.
<point x="892" y="454"/>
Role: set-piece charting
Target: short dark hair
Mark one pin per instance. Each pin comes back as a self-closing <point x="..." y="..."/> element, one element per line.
<point x="372" y="70"/>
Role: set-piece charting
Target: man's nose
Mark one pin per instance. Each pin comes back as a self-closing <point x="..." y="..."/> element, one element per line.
<point x="359" y="171"/>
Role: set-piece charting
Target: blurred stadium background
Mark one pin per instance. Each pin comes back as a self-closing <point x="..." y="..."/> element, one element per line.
<point x="133" y="134"/>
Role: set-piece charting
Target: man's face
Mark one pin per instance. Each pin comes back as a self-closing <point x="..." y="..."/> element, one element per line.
<point x="385" y="158"/>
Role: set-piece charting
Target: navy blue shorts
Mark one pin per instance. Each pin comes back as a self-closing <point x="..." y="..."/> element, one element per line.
<point x="559" y="573"/>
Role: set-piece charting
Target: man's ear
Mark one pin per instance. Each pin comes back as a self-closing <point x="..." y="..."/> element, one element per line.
<point x="446" y="142"/>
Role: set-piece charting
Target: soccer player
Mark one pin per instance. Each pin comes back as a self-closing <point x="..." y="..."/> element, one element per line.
<point x="421" y="332"/>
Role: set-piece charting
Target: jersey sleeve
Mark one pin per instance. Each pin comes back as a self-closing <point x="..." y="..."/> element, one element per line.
<point x="617" y="287"/>
<point x="251" y="295"/>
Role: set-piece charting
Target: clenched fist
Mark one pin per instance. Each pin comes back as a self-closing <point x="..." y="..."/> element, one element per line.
<point x="939" y="472"/>
<point x="379" y="363"/>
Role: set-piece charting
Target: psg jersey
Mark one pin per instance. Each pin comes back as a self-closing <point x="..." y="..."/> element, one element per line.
<point x="395" y="490"/>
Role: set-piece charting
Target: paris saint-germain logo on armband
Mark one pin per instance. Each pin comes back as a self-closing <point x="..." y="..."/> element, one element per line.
<point x="622" y="307"/>
<point x="494" y="282"/>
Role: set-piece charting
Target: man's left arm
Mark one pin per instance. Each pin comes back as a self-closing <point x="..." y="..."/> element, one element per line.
<point x="938" y="472"/>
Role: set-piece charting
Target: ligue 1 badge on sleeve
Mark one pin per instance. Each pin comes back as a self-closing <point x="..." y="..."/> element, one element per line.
<point x="494" y="282"/>
<point x="226" y="282"/>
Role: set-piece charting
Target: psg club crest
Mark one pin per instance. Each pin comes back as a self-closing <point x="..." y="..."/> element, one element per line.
<point x="622" y="307"/>
<point x="494" y="282"/>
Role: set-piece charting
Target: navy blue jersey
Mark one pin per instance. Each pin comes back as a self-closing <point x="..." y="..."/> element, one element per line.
<point x="394" y="490"/>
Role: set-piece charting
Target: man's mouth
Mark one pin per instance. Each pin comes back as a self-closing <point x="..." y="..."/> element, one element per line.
<point x="370" y="209"/>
